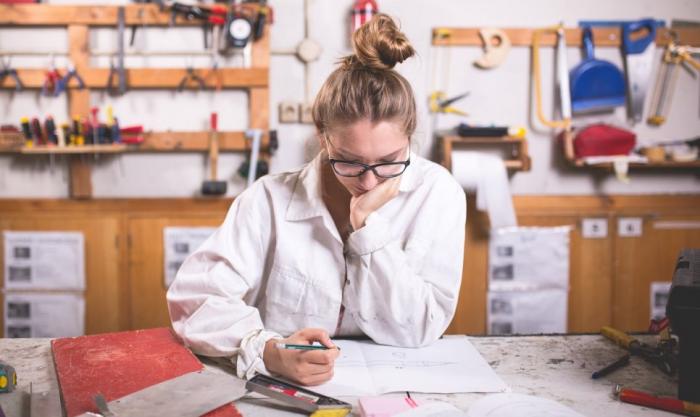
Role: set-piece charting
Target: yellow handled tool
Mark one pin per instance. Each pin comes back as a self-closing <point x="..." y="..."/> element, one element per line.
<point x="621" y="338"/>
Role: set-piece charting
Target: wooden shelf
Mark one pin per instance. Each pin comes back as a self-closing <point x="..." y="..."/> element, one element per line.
<point x="92" y="149"/>
<point x="452" y="36"/>
<point x="520" y="161"/>
<point x="666" y="165"/>
<point x="153" y="142"/>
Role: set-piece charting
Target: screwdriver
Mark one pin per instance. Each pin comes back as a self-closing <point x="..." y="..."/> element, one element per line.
<point x="77" y="136"/>
<point x="36" y="132"/>
<point x="27" y="131"/>
<point x="50" y="129"/>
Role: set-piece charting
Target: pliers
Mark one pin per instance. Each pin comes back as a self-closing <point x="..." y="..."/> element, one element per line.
<point x="8" y="71"/>
<point x="72" y="73"/>
<point x="191" y="77"/>
<point x="52" y="83"/>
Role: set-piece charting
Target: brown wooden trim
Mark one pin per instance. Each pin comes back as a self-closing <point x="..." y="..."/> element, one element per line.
<point x="523" y="37"/>
<point x="64" y="15"/>
<point x="144" y="78"/>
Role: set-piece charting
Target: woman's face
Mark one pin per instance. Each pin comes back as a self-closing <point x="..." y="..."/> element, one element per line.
<point x="369" y="144"/>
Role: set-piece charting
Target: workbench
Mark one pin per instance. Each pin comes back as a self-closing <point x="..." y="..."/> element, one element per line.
<point x="555" y="367"/>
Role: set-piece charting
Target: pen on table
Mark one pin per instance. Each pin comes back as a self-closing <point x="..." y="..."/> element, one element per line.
<point x="662" y="403"/>
<point x="303" y="347"/>
<point x="613" y="366"/>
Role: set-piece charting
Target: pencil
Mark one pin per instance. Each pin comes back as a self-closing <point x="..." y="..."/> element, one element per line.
<point x="303" y="347"/>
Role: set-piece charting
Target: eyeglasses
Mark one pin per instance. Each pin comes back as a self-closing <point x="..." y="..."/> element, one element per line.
<point x="356" y="169"/>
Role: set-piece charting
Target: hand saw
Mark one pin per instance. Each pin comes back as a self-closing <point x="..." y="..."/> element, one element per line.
<point x="190" y="395"/>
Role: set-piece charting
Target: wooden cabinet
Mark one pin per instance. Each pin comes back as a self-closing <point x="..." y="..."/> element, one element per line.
<point x="148" y="307"/>
<point x="639" y="261"/>
<point x="609" y="278"/>
<point x="104" y="277"/>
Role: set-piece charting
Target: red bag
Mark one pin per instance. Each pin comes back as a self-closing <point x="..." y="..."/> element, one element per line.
<point x="603" y="140"/>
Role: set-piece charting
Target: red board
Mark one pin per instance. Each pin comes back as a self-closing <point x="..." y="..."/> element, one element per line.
<point x="117" y="364"/>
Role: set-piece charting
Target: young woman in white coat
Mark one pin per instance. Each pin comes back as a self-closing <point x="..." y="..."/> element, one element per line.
<point x="365" y="240"/>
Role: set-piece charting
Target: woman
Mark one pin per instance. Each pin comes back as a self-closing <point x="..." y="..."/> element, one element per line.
<point x="366" y="239"/>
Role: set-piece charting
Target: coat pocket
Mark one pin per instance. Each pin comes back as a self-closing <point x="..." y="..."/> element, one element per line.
<point x="290" y="291"/>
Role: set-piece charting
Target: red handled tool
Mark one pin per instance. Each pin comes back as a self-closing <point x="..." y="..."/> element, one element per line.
<point x="645" y="399"/>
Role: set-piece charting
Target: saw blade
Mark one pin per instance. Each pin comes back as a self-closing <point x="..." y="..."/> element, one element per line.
<point x="190" y="395"/>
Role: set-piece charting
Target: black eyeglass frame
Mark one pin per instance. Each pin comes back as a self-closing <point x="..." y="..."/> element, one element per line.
<point x="366" y="167"/>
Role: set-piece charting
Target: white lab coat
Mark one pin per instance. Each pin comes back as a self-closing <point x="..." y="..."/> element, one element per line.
<point x="278" y="264"/>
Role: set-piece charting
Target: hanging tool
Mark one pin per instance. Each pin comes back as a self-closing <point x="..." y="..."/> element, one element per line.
<point x="562" y="77"/>
<point x="27" y="131"/>
<point x="51" y="86"/>
<point x="596" y="85"/>
<point x="214" y="15"/>
<point x="8" y="71"/>
<point x="439" y="103"/>
<point x="239" y="27"/>
<point x="189" y="78"/>
<point x="50" y="129"/>
<point x="662" y="356"/>
<point x="117" y="70"/>
<point x="673" y="58"/>
<point x="263" y="18"/>
<point x="496" y="47"/>
<point x="8" y="378"/>
<point x="77" y="137"/>
<point x="213" y="186"/>
<point x="362" y="12"/>
<point x="253" y="168"/>
<point x="72" y="74"/>
<point x="214" y="72"/>
<point x="639" y="58"/>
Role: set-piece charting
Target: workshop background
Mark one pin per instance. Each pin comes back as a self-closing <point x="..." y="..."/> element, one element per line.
<point x="622" y="233"/>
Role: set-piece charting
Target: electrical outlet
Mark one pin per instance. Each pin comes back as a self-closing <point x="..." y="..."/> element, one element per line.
<point x="629" y="226"/>
<point x="288" y="112"/>
<point x="305" y="113"/>
<point x="594" y="228"/>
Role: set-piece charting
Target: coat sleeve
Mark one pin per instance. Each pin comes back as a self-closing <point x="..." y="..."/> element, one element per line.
<point x="394" y="302"/>
<point x="207" y="300"/>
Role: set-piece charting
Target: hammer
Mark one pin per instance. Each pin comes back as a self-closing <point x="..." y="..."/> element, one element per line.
<point x="212" y="186"/>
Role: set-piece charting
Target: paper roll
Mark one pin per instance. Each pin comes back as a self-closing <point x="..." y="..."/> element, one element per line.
<point x="487" y="175"/>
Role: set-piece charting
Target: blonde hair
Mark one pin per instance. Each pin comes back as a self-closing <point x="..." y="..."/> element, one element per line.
<point x="365" y="85"/>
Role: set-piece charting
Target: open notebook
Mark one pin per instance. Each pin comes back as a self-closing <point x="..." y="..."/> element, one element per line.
<point x="447" y="366"/>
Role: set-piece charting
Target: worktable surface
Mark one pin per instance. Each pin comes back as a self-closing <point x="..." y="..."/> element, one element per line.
<point x="554" y="367"/>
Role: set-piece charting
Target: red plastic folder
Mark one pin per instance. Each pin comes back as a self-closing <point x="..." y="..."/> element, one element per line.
<point x="118" y="364"/>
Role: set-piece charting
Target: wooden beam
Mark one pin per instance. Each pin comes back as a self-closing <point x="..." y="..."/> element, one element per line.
<point x="65" y="15"/>
<point x="141" y="78"/>
<point x="189" y="142"/>
<point x="523" y="37"/>
<point x="79" y="105"/>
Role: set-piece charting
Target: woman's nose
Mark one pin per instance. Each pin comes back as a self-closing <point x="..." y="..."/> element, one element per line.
<point x="368" y="180"/>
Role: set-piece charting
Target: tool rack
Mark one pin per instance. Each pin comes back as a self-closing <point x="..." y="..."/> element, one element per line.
<point x="609" y="37"/>
<point x="78" y="20"/>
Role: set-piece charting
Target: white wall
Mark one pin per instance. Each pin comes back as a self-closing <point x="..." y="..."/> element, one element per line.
<point x="500" y="96"/>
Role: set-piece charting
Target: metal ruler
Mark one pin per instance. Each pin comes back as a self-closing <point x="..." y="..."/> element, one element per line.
<point x="189" y="395"/>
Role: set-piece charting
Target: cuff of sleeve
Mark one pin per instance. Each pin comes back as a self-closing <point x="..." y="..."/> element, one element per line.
<point x="249" y="360"/>
<point x="373" y="236"/>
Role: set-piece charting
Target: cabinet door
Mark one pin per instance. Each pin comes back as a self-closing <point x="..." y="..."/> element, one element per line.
<point x="104" y="286"/>
<point x="148" y="307"/>
<point x="648" y="258"/>
<point x="590" y="272"/>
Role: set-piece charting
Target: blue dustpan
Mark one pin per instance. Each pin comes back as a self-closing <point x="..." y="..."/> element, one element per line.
<point x="596" y="85"/>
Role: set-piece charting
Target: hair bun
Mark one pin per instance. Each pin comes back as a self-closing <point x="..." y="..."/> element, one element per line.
<point x="379" y="44"/>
